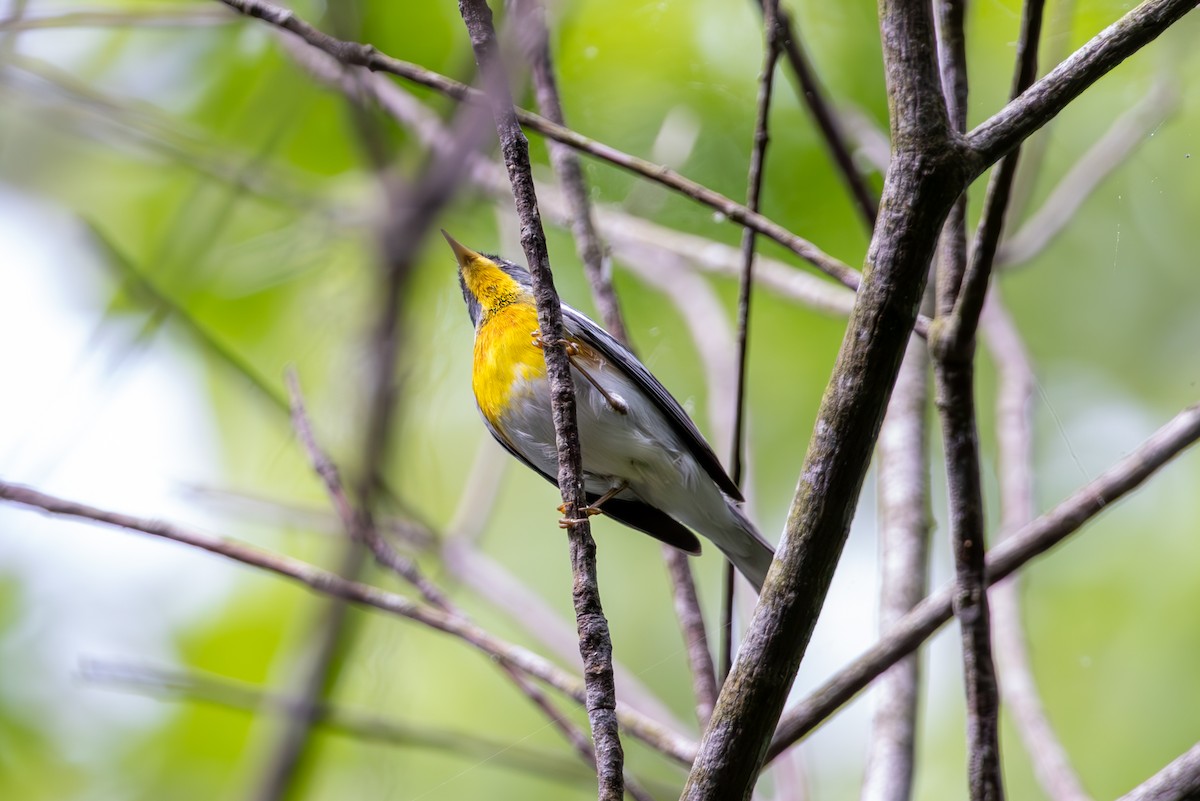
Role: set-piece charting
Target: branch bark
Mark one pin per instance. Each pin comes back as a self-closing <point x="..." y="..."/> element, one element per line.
<point x="925" y="177"/>
<point x="1030" y="541"/>
<point x="595" y="643"/>
<point x="363" y="55"/>
<point x="903" y="475"/>
<point x="1042" y="101"/>
<point x="330" y="584"/>
<point x="1178" y="781"/>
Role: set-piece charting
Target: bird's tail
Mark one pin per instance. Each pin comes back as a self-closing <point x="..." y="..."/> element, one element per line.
<point x="750" y="553"/>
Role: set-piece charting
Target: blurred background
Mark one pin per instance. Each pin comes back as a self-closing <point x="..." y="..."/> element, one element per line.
<point x="186" y="211"/>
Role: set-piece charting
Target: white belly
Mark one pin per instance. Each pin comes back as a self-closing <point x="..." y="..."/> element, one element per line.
<point x="638" y="448"/>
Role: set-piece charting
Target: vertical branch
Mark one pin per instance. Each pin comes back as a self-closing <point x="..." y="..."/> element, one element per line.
<point x="595" y="645"/>
<point x="928" y="172"/>
<point x="597" y="269"/>
<point x="954" y="377"/>
<point x="952" y="62"/>
<point x="903" y="547"/>
<point x="969" y="303"/>
<point x="754" y="181"/>
<point x="1015" y="467"/>
<point x="961" y="289"/>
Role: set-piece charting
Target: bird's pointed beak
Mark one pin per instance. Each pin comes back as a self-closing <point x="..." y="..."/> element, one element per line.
<point x="461" y="252"/>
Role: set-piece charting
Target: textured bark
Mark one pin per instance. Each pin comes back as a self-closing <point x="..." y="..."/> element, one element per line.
<point x="595" y="643"/>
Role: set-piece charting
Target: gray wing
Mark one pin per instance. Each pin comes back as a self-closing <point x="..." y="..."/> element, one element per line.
<point x="632" y="512"/>
<point x="621" y="358"/>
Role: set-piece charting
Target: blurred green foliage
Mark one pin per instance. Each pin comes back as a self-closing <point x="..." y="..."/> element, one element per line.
<point x="235" y="185"/>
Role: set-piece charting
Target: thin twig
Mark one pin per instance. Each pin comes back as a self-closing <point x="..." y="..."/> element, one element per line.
<point x="1006" y="558"/>
<point x="962" y="321"/>
<point x="598" y="271"/>
<point x="324" y="467"/>
<point x="330" y="584"/>
<point x="367" y="56"/>
<point x="568" y="169"/>
<point x="754" y="182"/>
<point x="1014" y="433"/>
<point x="954" y="378"/>
<point x="812" y="93"/>
<point x="595" y="644"/>
<point x="927" y="174"/>
<point x="903" y="476"/>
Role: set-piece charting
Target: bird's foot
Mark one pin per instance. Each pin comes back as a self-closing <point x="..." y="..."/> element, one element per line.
<point x="592" y="509"/>
<point x="541" y="342"/>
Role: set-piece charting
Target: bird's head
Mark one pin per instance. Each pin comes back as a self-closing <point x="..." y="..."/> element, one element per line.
<point x="489" y="283"/>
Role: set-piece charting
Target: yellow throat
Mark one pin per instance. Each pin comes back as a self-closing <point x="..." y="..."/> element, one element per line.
<point x="507" y="364"/>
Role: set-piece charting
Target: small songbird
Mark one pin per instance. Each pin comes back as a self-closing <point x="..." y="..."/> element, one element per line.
<point x="645" y="464"/>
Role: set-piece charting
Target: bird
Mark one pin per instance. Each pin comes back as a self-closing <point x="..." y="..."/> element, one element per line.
<point x="645" y="464"/>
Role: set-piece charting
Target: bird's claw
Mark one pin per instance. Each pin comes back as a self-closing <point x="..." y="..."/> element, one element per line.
<point x="540" y="343"/>
<point x="590" y="511"/>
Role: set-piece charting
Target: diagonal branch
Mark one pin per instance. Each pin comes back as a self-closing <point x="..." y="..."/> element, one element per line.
<point x="1006" y="558"/>
<point x="367" y="56"/>
<point x="1040" y="103"/>
<point x="330" y="584"/>
<point x="1178" y="781"/>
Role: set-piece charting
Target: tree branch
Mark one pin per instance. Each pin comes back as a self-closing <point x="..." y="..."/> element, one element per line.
<point x="962" y="321"/>
<point x="754" y="181"/>
<point x="367" y="56"/>
<point x="595" y="644"/>
<point x="1178" y="781"/>
<point x="1007" y="557"/>
<point x="903" y="476"/>
<point x="1040" y="103"/>
<point x="330" y="584"/>
<point x="598" y="271"/>
<point x="1014" y="432"/>
<point x="926" y="175"/>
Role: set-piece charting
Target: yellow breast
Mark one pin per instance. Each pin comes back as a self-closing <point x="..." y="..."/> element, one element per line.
<point x="506" y="359"/>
